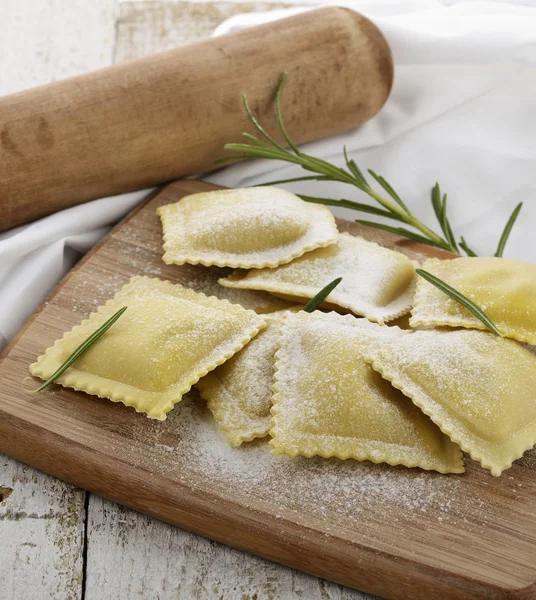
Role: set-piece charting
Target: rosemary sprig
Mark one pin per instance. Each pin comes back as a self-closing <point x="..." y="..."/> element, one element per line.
<point x="459" y="297"/>
<point x="396" y="230"/>
<point x="82" y="348"/>
<point x="392" y="205"/>
<point x="315" y="302"/>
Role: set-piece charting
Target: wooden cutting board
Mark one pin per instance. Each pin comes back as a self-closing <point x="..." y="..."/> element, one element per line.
<point x="396" y="532"/>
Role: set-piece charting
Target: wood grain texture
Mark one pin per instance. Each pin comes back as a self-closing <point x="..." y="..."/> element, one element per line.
<point x="149" y="121"/>
<point x="144" y="28"/>
<point x="42" y="534"/>
<point x="46" y="40"/>
<point x="182" y="565"/>
<point x="399" y="533"/>
<point x="42" y="519"/>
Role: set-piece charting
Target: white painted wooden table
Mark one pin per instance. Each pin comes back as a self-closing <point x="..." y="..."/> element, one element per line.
<point x="56" y="541"/>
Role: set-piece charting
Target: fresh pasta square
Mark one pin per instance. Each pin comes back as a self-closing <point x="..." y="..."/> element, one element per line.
<point x="166" y="340"/>
<point x="479" y="388"/>
<point x="504" y="288"/>
<point x="244" y="228"/>
<point x="329" y="402"/>
<point x="377" y="283"/>
<point x="239" y="392"/>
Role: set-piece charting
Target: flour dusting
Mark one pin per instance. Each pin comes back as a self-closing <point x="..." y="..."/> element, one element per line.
<point x="305" y="486"/>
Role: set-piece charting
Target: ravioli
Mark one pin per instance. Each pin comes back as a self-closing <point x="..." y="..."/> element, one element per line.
<point x="504" y="288"/>
<point x="246" y="228"/>
<point x="239" y="392"/>
<point x="377" y="283"/>
<point x="479" y="388"/>
<point x="167" y="339"/>
<point x="329" y="402"/>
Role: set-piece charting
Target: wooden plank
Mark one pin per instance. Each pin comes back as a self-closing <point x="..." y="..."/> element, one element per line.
<point x="42" y="522"/>
<point x="148" y="27"/>
<point x="41" y="41"/>
<point x="42" y="519"/>
<point x="183" y="565"/>
<point x="400" y="533"/>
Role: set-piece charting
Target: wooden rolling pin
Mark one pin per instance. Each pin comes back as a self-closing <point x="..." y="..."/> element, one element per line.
<point x="166" y="116"/>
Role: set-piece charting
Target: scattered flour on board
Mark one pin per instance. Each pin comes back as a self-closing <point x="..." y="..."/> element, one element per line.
<point x="306" y="486"/>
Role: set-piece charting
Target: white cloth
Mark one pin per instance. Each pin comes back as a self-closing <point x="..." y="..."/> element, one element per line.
<point x="461" y="112"/>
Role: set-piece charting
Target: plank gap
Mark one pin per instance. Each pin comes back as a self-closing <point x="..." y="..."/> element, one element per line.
<point x="85" y="545"/>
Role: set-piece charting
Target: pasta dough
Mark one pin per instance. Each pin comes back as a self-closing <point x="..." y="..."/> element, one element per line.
<point x="328" y="401"/>
<point x="505" y="289"/>
<point x="255" y="227"/>
<point x="377" y="283"/>
<point x="479" y="388"/>
<point x="166" y="340"/>
<point x="239" y="393"/>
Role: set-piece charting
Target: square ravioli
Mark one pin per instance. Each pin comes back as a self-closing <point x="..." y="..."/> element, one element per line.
<point x="329" y="402"/>
<point x="239" y="392"/>
<point x="479" y="388"/>
<point x="166" y="340"/>
<point x="504" y="288"/>
<point x="244" y="228"/>
<point x="377" y="283"/>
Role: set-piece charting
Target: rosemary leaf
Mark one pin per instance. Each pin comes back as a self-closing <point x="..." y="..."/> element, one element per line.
<point x="450" y="238"/>
<point x="315" y="302"/>
<point x="263" y="152"/>
<point x="254" y="140"/>
<point x="293" y="179"/>
<point x="440" y="209"/>
<point x="445" y="224"/>
<point x="466" y="249"/>
<point x="400" y="231"/>
<point x="507" y="230"/>
<point x="366" y="208"/>
<point x="436" y="201"/>
<point x="386" y="186"/>
<point x="312" y="163"/>
<point x="279" y="116"/>
<point x="460" y="298"/>
<point x="82" y="348"/>
<point x="234" y="158"/>
<point x="354" y="169"/>
<point x="258" y="126"/>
